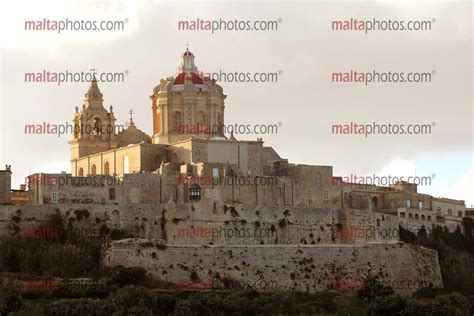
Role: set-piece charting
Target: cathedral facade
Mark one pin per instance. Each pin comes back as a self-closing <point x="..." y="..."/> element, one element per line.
<point x="188" y="115"/>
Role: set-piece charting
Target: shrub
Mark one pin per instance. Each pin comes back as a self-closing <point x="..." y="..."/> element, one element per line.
<point x="450" y="304"/>
<point x="373" y="289"/>
<point x="194" y="276"/>
<point x="131" y="299"/>
<point x="11" y="303"/>
<point x="201" y="304"/>
<point x="387" y="305"/>
<point x="164" y="304"/>
<point x="80" y="214"/>
<point x="43" y="257"/>
<point x="117" y="234"/>
<point x="57" y="223"/>
<point x="122" y="276"/>
<point x="79" y="307"/>
<point x="429" y="292"/>
<point x="69" y="291"/>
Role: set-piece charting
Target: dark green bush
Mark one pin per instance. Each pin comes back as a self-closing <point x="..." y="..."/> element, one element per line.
<point x="429" y="292"/>
<point x="452" y="304"/>
<point x="79" y="307"/>
<point x="11" y="303"/>
<point x="373" y="289"/>
<point x="131" y="299"/>
<point x="96" y="291"/>
<point x="387" y="305"/>
<point x="45" y="257"/>
<point x="121" y="276"/>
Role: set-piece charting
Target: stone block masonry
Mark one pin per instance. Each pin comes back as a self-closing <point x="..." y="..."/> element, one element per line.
<point x="307" y="268"/>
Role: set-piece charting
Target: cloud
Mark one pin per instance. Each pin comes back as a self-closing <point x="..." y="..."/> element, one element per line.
<point x="50" y="43"/>
<point x="462" y="189"/>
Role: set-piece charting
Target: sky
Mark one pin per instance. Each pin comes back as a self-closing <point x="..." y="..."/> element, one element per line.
<point x="304" y="102"/>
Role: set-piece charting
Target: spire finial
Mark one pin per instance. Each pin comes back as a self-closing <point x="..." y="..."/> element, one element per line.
<point x="93" y="93"/>
<point x="93" y="74"/>
<point x="131" y="123"/>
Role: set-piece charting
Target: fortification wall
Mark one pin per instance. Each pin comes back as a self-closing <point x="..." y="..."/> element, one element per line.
<point x="141" y="220"/>
<point x="201" y="224"/>
<point x="308" y="268"/>
<point x="238" y="224"/>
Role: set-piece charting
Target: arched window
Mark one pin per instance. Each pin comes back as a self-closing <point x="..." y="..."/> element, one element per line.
<point x="177" y="121"/>
<point x="106" y="168"/>
<point x="429" y="218"/>
<point x="417" y="216"/>
<point x="422" y="217"/>
<point x="201" y="122"/>
<point x="450" y="212"/>
<point x="460" y="213"/>
<point x="94" y="169"/>
<point x="97" y="127"/>
<point x="81" y="172"/>
<point x="375" y="203"/>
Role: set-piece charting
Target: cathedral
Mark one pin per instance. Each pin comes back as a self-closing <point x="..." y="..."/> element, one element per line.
<point x="188" y="115"/>
<point x="190" y="161"/>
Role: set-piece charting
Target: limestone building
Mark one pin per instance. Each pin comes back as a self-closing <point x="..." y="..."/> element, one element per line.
<point x="188" y="159"/>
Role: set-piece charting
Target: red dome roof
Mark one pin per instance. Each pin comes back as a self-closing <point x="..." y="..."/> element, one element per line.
<point x="195" y="78"/>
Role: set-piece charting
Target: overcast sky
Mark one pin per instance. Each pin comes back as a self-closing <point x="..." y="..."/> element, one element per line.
<point x="304" y="51"/>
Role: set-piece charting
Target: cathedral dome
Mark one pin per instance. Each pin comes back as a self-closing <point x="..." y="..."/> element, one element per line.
<point x="195" y="78"/>
<point x="132" y="135"/>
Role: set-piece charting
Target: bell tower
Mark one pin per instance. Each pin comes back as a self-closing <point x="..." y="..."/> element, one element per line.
<point x="93" y="126"/>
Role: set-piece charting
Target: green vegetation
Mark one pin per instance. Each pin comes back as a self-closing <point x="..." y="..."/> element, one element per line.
<point x="455" y="253"/>
<point x="132" y="291"/>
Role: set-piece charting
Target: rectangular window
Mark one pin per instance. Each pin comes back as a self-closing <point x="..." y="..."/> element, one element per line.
<point x="402" y="214"/>
<point x="408" y="203"/>
<point x="420" y="205"/>
<point x="111" y="193"/>
<point x="215" y="173"/>
<point x="326" y="195"/>
<point x="392" y="204"/>
<point x="54" y="197"/>
<point x="126" y="168"/>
